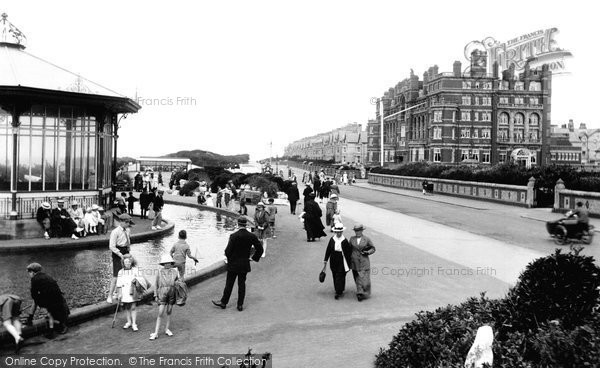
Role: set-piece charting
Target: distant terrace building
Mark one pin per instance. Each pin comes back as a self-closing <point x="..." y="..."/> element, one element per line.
<point x="160" y="164"/>
<point x="466" y="117"/>
<point x="347" y="144"/>
<point x="58" y="132"/>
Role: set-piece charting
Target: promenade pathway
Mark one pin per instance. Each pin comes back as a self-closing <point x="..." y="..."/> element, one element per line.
<point x="419" y="265"/>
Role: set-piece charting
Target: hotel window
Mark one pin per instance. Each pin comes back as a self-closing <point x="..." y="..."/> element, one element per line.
<point x="465" y="133"/>
<point x="486" y="116"/>
<point x="486" y="101"/>
<point x="535" y="86"/>
<point x="437" y="116"/>
<point x="485" y="133"/>
<point x="486" y="157"/>
<point x="476" y="116"/>
<point x="533" y="157"/>
<point x="533" y="135"/>
<point x="502" y="157"/>
<point x="518" y="100"/>
<point x="477" y="85"/>
<point x="465" y="116"/>
<point x="466" y="84"/>
<point x="519" y="86"/>
<point x="534" y="119"/>
<point x="466" y="100"/>
<point x="504" y="100"/>
<point x="503" y="134"/>
<point x="464" y="154"/>
<point x="503" y="85"/>
<point x="533" y="101"/>
<point x="437" y="133"/>
<point x="476" y="133"/>
<point x="519" y="119"/>
<point x="503" y="118"/>
<point x="474" y="155"/>
<point x="437" y="155"/>
<point x="487" y="85"/>
<point x="518" y="135"/>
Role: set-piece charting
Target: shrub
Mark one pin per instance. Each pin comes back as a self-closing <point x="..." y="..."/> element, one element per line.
<point x="558" y="287"/>
<point x="546" y="320"/>
<point x="188" y="188"/>
<point x="263" y="184"/>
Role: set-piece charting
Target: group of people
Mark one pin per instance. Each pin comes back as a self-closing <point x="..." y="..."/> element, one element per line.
<point x="128" y="285"/>
<point x="73" y="222"/>
<point x="147" y="181"/>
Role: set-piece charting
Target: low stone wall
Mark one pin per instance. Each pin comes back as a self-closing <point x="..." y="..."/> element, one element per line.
<point x="502" y="193"/>
<point x="565" y="199"/>
<point x="92" y="311"/>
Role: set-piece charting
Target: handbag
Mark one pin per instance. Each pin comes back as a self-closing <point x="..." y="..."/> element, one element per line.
<point x="322" y="276"/>
<point x="151" y="214"/>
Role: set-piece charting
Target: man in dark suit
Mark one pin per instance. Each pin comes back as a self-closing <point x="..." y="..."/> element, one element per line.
<point x="238" y="262"/>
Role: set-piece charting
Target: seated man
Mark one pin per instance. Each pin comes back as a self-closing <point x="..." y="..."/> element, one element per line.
<point x="62" y="221"/>
<point x="44" y="212"/>
<point x="583" y="217"/>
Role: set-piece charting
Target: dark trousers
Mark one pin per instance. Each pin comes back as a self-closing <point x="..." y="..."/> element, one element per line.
<point x="339" y="282"/>
<point x="144" y="210"/>
<point x="231" y="276"/>
<point x="243" y="208"/>
<point x="293" y="207"/>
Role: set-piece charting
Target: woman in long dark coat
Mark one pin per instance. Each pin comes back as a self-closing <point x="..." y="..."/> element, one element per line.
<point x="362" y="248"/>
<point x="306" y="192"/>
<point x="340" y="251"/>
<point x="312" y="219"/>
<point x="293" y="197"/>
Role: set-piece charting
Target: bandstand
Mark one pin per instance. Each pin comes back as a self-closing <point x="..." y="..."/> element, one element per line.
<point x="58" y="132"/>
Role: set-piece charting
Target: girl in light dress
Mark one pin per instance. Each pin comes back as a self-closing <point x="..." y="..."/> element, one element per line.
<point x="90" y="221"/>
<point x="125" y="289"/>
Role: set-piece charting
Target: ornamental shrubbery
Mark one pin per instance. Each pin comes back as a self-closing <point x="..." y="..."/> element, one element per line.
<point x="549" y="319"/>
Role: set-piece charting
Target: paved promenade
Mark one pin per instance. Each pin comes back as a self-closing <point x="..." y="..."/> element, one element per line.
<point x="290" y="314"/>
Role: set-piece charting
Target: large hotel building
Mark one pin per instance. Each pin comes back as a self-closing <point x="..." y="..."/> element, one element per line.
<point x="467" y="116"/>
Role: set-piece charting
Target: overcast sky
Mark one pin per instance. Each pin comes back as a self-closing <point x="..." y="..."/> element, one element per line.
<point x="250" y="72"/>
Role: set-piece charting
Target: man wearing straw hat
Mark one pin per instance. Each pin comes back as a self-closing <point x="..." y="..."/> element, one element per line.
<point x="238" y="262"/>
<point x="119" y="246"/>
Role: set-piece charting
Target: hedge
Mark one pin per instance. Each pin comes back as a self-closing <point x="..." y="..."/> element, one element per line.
<point x="505" y="173"/>
<point x="549" y="319"/>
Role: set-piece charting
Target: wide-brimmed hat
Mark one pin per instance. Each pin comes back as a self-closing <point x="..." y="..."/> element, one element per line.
<point x="46" y="205"/>
<point x="334" y="196"/>
<point x="74" y="203"/>
<point x="61" y="201"/>
<point x="126" y="218"/>
<point x="260" y="204"/>
<point x="358" y="227"/>
<point x="35" y="267"/>
<point x="95" y="207"/>
<point x="338" y="227"/>
<point x="166" y="258"/>
<point x="101" y="209"/>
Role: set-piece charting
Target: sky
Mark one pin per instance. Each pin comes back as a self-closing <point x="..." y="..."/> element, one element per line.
<point x="233" y="76"/>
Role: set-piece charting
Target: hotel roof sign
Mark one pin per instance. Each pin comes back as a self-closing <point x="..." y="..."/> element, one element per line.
<point x="535" y="48"/>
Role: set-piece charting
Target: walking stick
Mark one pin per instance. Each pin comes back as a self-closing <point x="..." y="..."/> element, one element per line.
<point x="115" y="316"/>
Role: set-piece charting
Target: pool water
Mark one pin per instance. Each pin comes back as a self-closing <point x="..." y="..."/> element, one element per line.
<point x="84" y="275"/>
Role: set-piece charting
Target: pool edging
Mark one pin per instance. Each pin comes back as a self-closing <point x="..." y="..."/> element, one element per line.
<point x="89" y="312"/>
<point x="92" y="311"/>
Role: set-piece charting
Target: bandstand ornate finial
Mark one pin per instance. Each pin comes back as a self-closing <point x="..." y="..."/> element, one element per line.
<point x="10" y="34"/>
